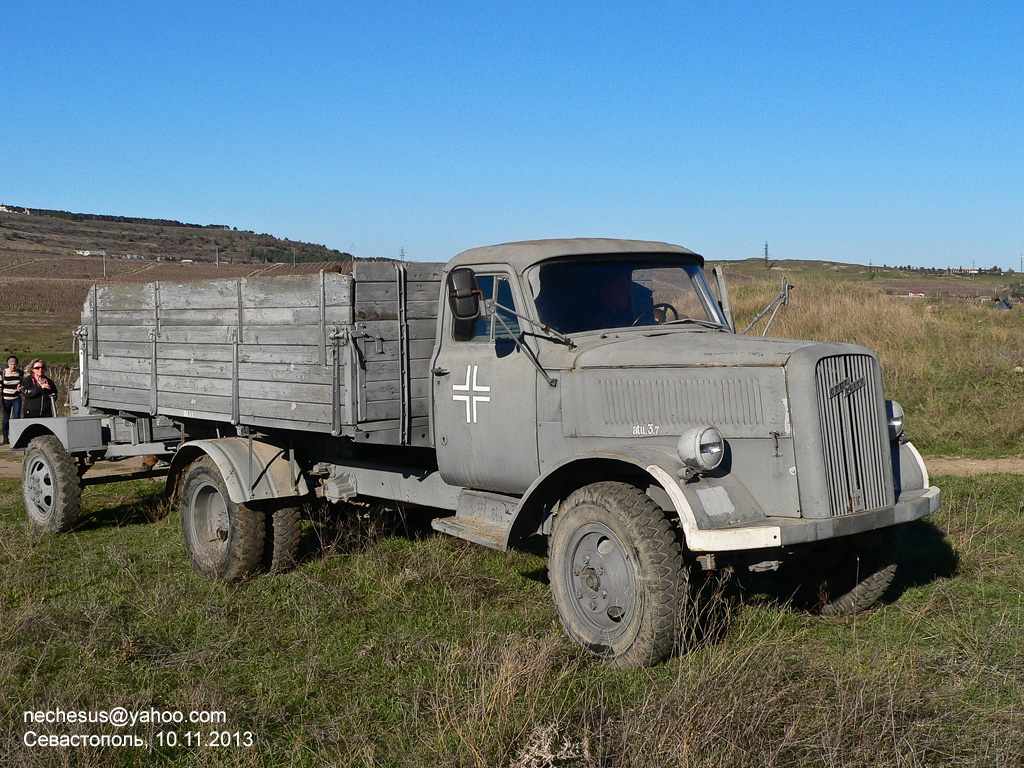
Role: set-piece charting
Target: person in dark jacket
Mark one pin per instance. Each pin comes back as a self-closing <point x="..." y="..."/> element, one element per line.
<point x="39" y="393"/>
<point x="11" y="383"/>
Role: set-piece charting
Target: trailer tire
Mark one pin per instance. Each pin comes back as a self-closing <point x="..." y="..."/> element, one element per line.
<point x="618" y="577"/>
<point x="859" y="572"/>
<point x="49" y="481"/>
<point x="224" y="539"/>
<point x="284" y="533"/>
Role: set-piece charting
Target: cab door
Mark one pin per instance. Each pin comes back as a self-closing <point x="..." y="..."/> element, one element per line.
<point x="485" y="395"/>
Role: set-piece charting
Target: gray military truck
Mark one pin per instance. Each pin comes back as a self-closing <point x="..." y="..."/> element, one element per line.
<point x="591" y="391"/>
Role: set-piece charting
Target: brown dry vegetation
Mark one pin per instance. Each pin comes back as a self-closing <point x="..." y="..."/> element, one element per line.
<point x="950" y="364"/>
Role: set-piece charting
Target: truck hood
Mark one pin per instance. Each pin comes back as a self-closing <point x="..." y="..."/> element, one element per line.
<point x="681" y="347"/>
<point x="661" y="383"/>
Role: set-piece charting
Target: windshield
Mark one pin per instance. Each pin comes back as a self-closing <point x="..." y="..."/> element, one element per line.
<point x="596" y="294"/>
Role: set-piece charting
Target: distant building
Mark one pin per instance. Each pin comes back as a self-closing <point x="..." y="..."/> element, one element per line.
<point x="916" y="294"/>
<point x="91" y="253"/>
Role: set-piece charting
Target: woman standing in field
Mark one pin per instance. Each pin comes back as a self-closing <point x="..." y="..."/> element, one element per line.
<point x="11" y="379"/>
<point x="39" y="391"/>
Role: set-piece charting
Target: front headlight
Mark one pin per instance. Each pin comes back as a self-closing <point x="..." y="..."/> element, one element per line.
<point x="894" y="413"/>
<point x="701" y="448"/>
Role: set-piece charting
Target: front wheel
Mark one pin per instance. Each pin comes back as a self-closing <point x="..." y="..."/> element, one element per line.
<point x="853" y="573"/>
<point x="618" y="577"/>
<point x="224" y="539"/>
<point x="49" y="482"/>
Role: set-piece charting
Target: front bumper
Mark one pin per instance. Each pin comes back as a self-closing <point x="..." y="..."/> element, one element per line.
<point x="783" y="532"/>
<point x="776" y="532"/>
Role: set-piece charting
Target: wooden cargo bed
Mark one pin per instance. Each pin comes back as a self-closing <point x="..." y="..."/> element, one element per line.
<point x="339" y="354"/>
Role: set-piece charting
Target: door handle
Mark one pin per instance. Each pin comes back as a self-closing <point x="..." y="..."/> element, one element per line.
<point x="440" y="371"/>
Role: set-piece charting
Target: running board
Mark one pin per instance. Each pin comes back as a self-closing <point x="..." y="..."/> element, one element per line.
<point x="481" y="517"/>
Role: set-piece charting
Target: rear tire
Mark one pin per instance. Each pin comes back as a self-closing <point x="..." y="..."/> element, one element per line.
<point x="618" y="577"/>
<point x="49" y="481"/>
<point x="284" y="533"/>
<point x="224" y="539"/>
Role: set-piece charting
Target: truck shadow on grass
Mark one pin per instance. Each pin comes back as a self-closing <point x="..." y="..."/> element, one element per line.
<point x="922" y="552"/>
<point x="149" y="507"/>
<point x="353" y="528"/>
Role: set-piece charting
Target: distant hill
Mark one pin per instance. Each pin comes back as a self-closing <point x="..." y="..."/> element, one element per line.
<point x="49" y="259"/>
<point x="42" y="233"/>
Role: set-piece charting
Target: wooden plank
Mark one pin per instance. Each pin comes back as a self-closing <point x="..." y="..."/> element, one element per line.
<point x="205" y="403"/>
<point x="286" y="395"/>
<point x="415" y="310"/>
<point x="133" y="349"/>
<point x="119" y="396"/>
<point x="419" y="349"/>
<point x="205" y="295"/>
<point x="124" y="296"/>
<point x="388" y="409"/>
<point x="418" y="329"/>
<point x="295" y="291"/>
<point x="391" y="389"/>
<point x="273" y="409"/>
<point x="387" y="293"/>
<point x="374" y="271"/>
<point x="131" y="317"/>
<point x="286" y="372"/>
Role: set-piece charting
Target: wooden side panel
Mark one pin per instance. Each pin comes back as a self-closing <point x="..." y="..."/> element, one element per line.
<point x="254" y="346"/>
<point x="259" y="349"/>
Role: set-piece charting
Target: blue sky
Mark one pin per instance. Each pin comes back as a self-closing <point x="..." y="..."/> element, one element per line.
<point x="851" y="131"/>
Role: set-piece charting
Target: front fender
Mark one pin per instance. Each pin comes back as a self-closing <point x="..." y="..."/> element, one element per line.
<point x="701" y="504"/>
<point x="253" y="470"/>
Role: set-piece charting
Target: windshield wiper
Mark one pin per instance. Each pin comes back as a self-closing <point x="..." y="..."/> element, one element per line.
<point x="696" y="321"/>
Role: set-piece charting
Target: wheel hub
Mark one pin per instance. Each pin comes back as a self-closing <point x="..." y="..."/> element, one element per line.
<point x="39" y="488"/>
<point x="603" y="579"/>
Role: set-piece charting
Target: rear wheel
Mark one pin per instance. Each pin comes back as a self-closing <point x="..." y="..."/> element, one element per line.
<point x="618" y="578"/>
<point x="284" y="532"/>
<point x="224" y="539"/>
<point x="49" y="481"/>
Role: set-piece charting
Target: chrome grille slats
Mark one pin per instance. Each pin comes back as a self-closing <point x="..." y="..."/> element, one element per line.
<point x="855" y="451"/>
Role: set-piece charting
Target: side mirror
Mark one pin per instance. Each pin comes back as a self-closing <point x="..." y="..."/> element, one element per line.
<point x="464" y="295"/>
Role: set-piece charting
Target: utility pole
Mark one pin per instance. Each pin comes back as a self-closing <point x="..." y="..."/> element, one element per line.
<point x="401" y="254"/>
<point x="766" y="255"/>
<point x="293" y="255"/>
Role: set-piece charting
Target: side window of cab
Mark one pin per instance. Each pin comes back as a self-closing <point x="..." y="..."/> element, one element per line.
<point x="506" y="324"/>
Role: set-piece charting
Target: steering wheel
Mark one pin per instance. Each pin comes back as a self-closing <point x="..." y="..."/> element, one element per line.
<point x="663" y="305"/>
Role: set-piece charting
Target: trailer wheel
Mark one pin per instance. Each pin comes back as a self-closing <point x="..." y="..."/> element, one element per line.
<point x="618" y="577"/>
<point x="49" y="481"/>
<point x="284" y="532"/>
<point x="224" y="539"/>
<point x="859" y="571"/>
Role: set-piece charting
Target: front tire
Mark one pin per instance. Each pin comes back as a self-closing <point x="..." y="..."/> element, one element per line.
<point x="224" y="539"/>
<point x="618" y="577"/>
<point x="49" y="481"/>
<point x="858" y="572"/>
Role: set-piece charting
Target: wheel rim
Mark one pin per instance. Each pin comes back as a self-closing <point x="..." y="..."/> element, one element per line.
<point x="209" y="522"/>
<point x="40" y="494"/>
<point x="602" y="580"/>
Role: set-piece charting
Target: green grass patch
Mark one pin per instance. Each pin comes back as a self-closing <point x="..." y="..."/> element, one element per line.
<point x="392" y="646"/>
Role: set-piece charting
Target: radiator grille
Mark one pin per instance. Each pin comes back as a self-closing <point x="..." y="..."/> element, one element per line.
<point x="856" y="454"/>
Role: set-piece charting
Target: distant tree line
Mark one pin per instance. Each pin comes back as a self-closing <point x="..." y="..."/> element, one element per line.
<point x="69" y="216"/>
